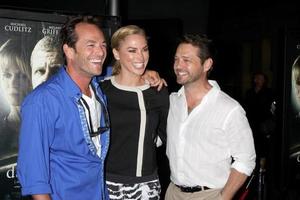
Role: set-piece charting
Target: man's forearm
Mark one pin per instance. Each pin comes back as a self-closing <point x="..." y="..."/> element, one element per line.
<point x="233" y="184"/>
<point x="41" y="197"/>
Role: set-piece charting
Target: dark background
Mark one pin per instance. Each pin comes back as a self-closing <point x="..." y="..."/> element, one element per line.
<point x="249" y="35"/>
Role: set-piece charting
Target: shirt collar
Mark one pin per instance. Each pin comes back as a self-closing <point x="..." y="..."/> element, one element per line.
<point x="69" y="86"/>
<point x="181" y="91"/>
<point x="213" y="83"/>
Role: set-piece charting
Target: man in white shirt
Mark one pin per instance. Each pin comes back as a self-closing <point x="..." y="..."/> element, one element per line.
<point x="210" y="145"/>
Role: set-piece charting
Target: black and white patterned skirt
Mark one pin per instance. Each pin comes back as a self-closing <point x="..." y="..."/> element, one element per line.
<point x="139" y="191"/>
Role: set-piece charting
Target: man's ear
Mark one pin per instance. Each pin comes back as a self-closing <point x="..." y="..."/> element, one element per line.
<point x="207" y="65"/>
<point x="116" y="54"/>
<point x="69" y="51"/>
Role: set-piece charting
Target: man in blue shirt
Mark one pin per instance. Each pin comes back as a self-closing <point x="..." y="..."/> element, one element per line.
<point x="64" y="133"/>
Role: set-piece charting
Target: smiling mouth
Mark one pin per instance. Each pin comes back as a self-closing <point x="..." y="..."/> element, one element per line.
<point x="138" y="65"/>
<point x="181" y="73"/>
<point x="96" y="61"/>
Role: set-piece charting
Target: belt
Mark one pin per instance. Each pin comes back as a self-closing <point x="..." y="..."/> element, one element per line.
<point x="192" y="189"/>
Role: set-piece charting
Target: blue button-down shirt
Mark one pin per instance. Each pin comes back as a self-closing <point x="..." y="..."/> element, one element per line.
<point x="56" y="153"/>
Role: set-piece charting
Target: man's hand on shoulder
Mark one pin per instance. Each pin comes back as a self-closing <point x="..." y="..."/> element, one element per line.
<point x="153" y="78"/>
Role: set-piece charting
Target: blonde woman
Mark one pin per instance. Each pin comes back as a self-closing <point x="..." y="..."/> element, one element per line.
<point x="15" y="82"/>
<point x="138" y="116"/>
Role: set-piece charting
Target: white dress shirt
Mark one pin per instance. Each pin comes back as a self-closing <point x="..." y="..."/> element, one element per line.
<point x="204" y="145"/>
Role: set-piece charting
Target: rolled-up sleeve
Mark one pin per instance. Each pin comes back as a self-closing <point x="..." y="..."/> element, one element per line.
<point x="240" y="140"/>
<point x="36" y="134"/>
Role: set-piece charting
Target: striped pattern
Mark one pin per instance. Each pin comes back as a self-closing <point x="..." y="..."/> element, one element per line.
<point x="138" y="191"/>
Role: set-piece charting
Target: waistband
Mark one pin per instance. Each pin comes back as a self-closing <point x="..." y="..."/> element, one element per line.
<point x="192" y="189"/>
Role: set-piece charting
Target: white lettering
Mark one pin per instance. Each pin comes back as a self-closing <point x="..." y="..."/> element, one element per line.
<point x="11" y="28"/>
<point x="50" y="31"/>
<point x="11" y="173"/>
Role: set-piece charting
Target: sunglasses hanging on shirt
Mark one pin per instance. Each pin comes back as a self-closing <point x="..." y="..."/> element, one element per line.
<point x="100" y="129"/>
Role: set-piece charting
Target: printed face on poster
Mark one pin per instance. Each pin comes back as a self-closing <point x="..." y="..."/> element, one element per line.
<point x="295" y="86"/>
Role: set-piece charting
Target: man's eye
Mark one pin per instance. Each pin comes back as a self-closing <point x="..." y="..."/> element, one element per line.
<point x="40" y="72"/>
<point x="131" y="51"/>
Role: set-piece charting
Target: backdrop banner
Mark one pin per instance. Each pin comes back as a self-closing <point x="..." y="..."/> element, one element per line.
<point x="291" y="109"/>
<point x="18" y="38"/>
<point x="30" y="52"/>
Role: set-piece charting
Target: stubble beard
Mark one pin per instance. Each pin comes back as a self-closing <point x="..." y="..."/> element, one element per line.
<point x="188" y="80"/>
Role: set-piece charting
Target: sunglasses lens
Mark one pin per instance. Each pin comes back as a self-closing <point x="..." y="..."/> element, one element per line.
<point x="101" y="130"/>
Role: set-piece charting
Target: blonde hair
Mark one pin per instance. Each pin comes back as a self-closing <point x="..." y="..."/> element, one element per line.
<point x="13" y="49"/>
<point x="295" y="79"/>
<point x="119" y="36"/>
<point x="296" y="71"/>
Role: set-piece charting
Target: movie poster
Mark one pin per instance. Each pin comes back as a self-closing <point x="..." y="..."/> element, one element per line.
<point x="293" y="91"/>
<point x="292" y="106"/>
<point x="29" y="54"/>
<point x="295" y="86"/>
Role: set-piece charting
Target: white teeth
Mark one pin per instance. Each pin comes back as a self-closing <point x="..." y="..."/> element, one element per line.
<point x="138" y="65"/>
<point x="181" y="73"/>
<point x="96" y="60"/>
